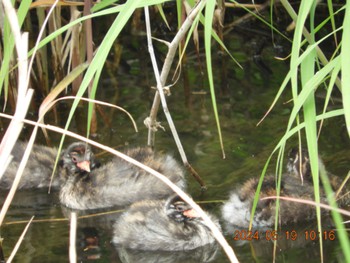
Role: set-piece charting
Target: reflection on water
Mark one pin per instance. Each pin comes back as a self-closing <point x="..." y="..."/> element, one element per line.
<point x="243" y="98"/>
<point x="203" y="254"/>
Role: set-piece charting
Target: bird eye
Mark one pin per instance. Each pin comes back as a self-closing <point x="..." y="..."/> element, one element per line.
<point x="73" y="155"/>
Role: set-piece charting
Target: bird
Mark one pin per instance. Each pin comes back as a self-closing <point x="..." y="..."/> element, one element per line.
<point x="40" y="165"/>
<point x="237" y="209"/>
<point x="77" y="159"/>
<point x="299" y="164"/>
<point x="119" y="183"/>
<point x="162" y="225"/>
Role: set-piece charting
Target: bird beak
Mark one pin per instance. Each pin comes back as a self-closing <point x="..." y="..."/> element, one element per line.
<point x="85" y="166"/>
<point x="190" y="213"/>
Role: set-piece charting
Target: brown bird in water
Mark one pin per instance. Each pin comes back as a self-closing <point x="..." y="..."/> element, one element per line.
<point x="237" y="210"/>
<point x="39" y="168"/>
<point x="119" y="183"/>
<point x="162" y="225"/>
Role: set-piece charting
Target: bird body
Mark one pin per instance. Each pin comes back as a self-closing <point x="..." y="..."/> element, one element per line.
<point x="119" y="183"/>
<point x="237" y="210"/>
<point x="38" y="171"/>
<point x="162" y="225"/>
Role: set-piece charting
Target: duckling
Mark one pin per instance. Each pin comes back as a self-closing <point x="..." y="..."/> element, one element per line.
<point x="236" y="210"/>
<point x="38" y="171"/>
<point x="162" y="225"/>
<point x="119" y="183"/>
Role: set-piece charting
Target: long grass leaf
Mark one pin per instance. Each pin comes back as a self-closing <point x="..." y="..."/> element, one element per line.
<point x="209" y="14"/>
<point x="345" y="66"/>
<point x="9" y="45"/>
<point x="307" y="71"/>
<point x="315" y="81"/>
<point x="161" y="12"/>
<point x="296" y="46"/>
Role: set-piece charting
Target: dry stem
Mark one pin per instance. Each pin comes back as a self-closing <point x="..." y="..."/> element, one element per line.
<point x="151" y="121"/>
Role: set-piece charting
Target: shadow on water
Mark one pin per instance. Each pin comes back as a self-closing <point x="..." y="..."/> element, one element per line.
<point x="243" y="98"/>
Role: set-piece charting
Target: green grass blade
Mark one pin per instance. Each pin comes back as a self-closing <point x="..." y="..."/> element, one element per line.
<point x="345" y="66"/>
<point x="9" y="45"/>
<point x="103" y="4"/>
<point x="315" y="81"/>
<point x="161" y="12"/>
<point x="342" y="234"/>
<point x="209" y="14"/>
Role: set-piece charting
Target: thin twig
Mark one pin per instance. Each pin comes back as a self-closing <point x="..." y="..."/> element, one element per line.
<point x="73" y="238"/>
<point x="161" y="95"/>
<point x="57" y="220"/>
<point x="44" y="108"/>
<point x="15" y="249"/>
<point x="167" y="65"/>
<point x="161" y="79"/>
<point x="245" y="18"/>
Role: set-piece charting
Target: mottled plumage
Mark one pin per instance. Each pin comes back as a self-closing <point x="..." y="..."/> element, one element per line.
<point x="119" y="183"/>
<point x="297" y="167"/>
<point x="39" y="168"/>
<point x="237" y="209"/>
<point x="162" y="225"/>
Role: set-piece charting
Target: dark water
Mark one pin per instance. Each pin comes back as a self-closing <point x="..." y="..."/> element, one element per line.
<point x="243" y="97"/>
